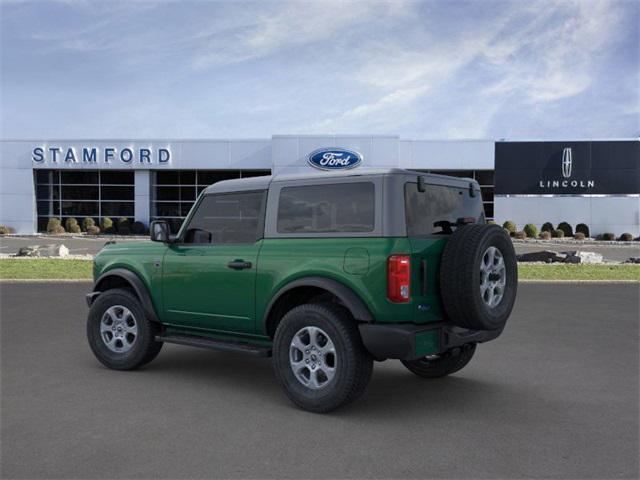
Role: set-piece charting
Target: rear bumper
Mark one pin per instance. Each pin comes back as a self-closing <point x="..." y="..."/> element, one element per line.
<point x="408" y="341"/>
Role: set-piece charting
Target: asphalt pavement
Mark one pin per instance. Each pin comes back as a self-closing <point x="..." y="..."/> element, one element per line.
<point x="556" y="396"/>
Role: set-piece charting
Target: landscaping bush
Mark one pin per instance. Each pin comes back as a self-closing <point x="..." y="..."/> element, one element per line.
<point x="531" y="230"/>
<point x="138" y="228"/>
<point x="546" y="235"/>
<point x="510" y="227"/>
<point x="123" y="226"/>
<point x="579" y="236"/>
<point x="521" y="235"/>
<point x="626" y="237"/>
<point x="557" y="233"/>
<point x="491" y="222"/>
<point x="88" y="222"/>
<point x="4" y="230"/>
<point x="566" y="228"/>
<point x="54" y="224"/>
<point x="608" y="236"/>
<point x="547" y="227"/>
<point x="107" y="225"/>
<point x="93" y="230"/>
<point x="71" y="225"/>
<point x="583" y="228"/>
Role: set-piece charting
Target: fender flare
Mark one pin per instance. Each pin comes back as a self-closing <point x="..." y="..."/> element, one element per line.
<point x="345" y="294"/>
<point x="136" y="283"/>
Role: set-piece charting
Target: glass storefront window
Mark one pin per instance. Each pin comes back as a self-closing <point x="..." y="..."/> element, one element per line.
<point x="80" y="194"/>
<point x="175" y="192"/>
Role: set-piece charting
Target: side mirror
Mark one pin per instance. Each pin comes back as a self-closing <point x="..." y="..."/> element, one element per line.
<point x="159" y="231"/>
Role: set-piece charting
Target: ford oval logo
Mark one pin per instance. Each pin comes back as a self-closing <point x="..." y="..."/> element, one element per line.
<point x="334" y="159"/>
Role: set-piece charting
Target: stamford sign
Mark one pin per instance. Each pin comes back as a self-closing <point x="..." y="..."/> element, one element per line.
<point x="334" y="159"/>
<point x="95" y="155"/>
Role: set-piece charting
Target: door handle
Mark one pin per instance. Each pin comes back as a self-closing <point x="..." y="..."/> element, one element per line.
<point x="239" y="265"/>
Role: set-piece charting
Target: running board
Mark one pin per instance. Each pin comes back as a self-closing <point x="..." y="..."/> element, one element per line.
<point x="203" y="342"/>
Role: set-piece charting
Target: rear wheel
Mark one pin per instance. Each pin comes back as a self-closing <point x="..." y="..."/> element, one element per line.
<point x="442" y="365"/>
<point x="119" y="333"/>
<point x="319" y="358"/>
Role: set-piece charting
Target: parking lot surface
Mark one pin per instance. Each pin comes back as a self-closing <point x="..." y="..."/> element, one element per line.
<point x="556" y="396"/>
<point x="91" y="246"/>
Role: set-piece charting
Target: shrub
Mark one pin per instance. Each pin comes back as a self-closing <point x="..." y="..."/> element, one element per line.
<point x="608" y="236"/>
<point x="510" y="227"/>
<point x="531" y="230"/>
<point x="88" y="222"/>
<point x="546" y="235"/>
<point x="579" y="236"/>
<point x="107" y="225"/>
<point x="557" y="233"/>
<point x="491" y="222"/>
<point x="138" y="228"/>
<point x="123" y="226"/>
<point x="57" y="230"/>
<point x="547" y="227"/>
<point x="71" y="225"/>
<point x="626" y="237"/>
<point x="52" y="224"/>
<point x="583" y="228"/>
<point x="521" y="235"/>
<point x="4" y="230"/>
<point x="566" y="228"/>
<point x="93" y="230"/>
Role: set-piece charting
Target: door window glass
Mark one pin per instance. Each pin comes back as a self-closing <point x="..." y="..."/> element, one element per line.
<point x="227" y="218"/>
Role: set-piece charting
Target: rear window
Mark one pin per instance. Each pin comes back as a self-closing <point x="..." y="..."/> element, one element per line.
<point x="341" y="207"/>
<point x="437" y="209"/>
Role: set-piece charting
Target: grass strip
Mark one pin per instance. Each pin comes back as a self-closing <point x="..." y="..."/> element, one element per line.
<point x="17" y="269"/>
<point x="45" y="268"/>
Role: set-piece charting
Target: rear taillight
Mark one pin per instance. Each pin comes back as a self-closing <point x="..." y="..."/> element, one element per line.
<point x="399" y="278"/>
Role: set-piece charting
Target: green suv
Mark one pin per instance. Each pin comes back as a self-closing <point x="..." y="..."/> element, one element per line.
<point x="324" y="273"/>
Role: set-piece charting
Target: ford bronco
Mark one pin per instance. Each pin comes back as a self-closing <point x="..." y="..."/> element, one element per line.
<point x="324" y="273"/>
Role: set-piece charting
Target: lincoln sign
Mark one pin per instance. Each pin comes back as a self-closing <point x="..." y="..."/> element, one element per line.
<point x="570" y="168"/>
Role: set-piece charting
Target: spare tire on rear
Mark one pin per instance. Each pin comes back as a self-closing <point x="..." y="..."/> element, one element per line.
<point x="479" y="277"/>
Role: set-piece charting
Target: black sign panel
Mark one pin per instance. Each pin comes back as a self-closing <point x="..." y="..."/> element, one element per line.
<point x="554" y="168"/>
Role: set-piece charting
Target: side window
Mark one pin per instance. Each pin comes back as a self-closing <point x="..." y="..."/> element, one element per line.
<point x="227" y="218"/>
<point x="340" y="207"/>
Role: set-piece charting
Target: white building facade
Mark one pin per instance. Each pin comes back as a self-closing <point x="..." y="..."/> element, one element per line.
<point x="160" y="179"/>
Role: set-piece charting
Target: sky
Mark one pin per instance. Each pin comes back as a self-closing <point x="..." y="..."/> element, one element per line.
<point x="420" y="70"/>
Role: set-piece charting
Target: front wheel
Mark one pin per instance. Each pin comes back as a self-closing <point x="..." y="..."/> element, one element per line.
<point x="319" y="358"/>
<point x="119" y="333"/>
<point x="442" y="365"/>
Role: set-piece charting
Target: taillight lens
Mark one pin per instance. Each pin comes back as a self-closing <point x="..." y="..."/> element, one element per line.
<point x="399" y="278"/>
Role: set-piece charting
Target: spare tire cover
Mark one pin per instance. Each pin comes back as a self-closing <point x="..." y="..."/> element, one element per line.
<point x="479" y="277"/>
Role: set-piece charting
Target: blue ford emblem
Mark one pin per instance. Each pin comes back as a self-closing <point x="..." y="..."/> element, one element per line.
<point x="334" y="159"/>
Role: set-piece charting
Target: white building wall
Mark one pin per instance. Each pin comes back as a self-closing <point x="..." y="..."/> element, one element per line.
<point x="616" y="214"/>
<point x="17" y="188"/>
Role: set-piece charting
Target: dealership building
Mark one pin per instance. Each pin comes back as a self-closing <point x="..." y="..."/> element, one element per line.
<point x="596" y="182"/>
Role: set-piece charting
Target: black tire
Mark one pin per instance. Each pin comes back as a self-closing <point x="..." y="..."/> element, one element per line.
<point x="144" y="347"/>
<point x="461" y="277"/>
<point x="446" y="364"/>
<point x="353" y="364"/>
